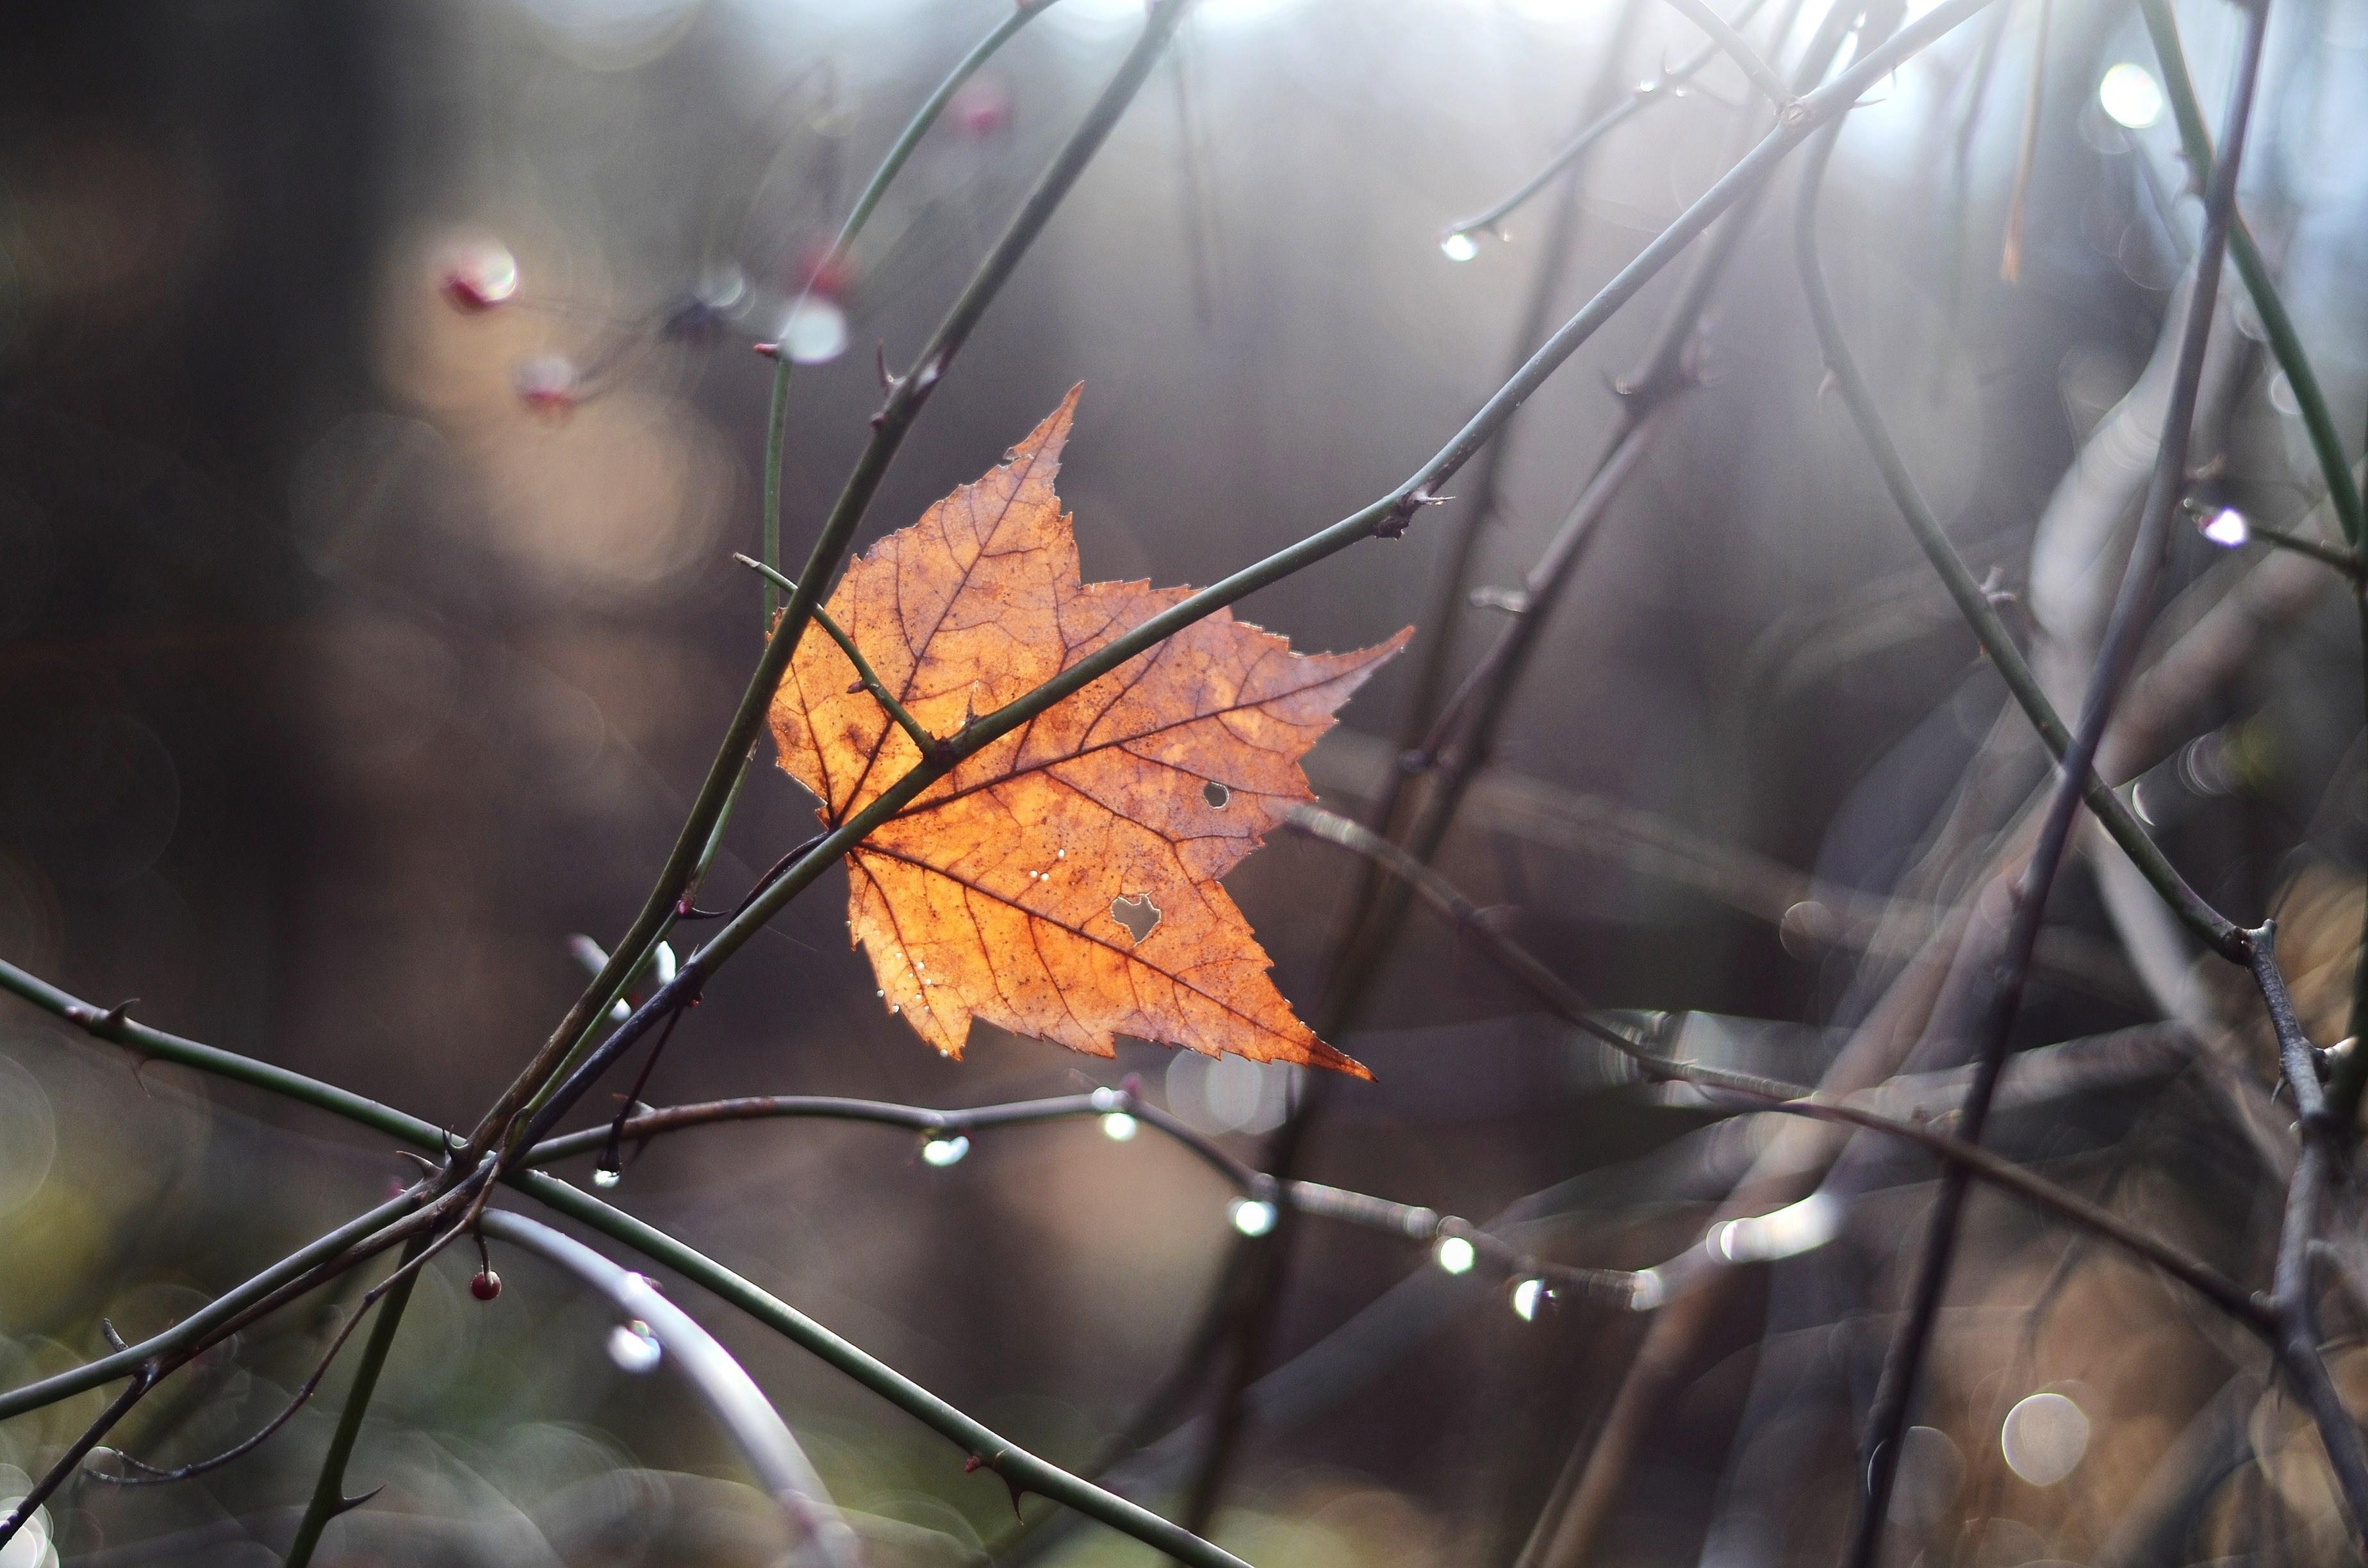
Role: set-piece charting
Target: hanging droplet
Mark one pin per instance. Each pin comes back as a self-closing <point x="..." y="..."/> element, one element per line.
<point x="814" y="332"/>
<point x="1252" y="1216"/>
<point x="2226" y="527"/>
<point x="1529" y="1295"/>
<point x="1456" y="1254"/>
<point x="1118" y="1127"/>
<point x="607" y="1175"/>
<point x="1459" y="246"/>
<point x="634" y="1348"/>
<point x="2130" y="95"/>
<point x="944" y="1152"/>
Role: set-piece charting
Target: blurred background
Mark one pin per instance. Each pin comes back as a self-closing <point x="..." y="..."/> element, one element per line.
<point x="358" y="648"/>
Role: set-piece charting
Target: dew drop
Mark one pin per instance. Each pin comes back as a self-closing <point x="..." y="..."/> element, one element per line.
<point x="816" y="331"/>
<point x="634" y="1348"/>
<point x="1252" y="1216"/>
<point x="605" y="1176"/>
<point x="2130" y="95"/>
<point x="944" y="1152"/>
<point x="1459" y="247"/>
<point x="1456" y="1254"/>
<point x="1118" y="1127"/>
<point x="2226" y="527"/>
<point x="1527" y="1297"/>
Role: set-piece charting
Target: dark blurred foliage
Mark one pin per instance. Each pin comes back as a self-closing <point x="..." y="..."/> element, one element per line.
<point x="338" y="686"/>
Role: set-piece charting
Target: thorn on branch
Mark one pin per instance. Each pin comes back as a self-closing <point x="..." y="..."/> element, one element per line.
<point x="107" y="1331"/>
<point x="768" y="350"/>
<point x="977" y="1463"/>
<point x="347" y="1505"/>
<point x="113" y="1018"/>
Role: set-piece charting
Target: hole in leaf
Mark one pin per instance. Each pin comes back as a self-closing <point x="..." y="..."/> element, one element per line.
<point x="1138" y="915"/>
<point x="1216" y="794"/>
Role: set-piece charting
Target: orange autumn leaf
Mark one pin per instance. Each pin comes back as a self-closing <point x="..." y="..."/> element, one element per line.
<point x="1063" y="882"/>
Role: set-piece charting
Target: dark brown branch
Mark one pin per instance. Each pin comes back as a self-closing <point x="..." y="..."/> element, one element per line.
<point x="2324" y="1142"/>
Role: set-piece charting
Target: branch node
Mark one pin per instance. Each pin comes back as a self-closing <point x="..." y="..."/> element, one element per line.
<point x="1401" y="511"/>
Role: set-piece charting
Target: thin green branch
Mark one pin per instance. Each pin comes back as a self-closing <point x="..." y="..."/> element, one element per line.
<point x="1020" y="1470"/>
<point x="2345" y="560"/>
<point x="225" y="1308"/>
<point x="2277" y="325"/>
<point x="329" y="1499"/>
<point x="900" y="152"/>
<point x="924" y="741"/>
<point x="1024" y="1470"/>
<point x="1739" y="49"/>
<point x="2214" y="929"/>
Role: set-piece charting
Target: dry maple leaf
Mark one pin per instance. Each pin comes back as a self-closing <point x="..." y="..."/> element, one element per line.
<point x="1062" y="881"/>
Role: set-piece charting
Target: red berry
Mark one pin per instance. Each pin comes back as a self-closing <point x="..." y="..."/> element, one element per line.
<point x="981" y="108"/>
<point x="824" y="271"/>
<point x="548" y="385"/>
<point x="486" y="1285"/>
